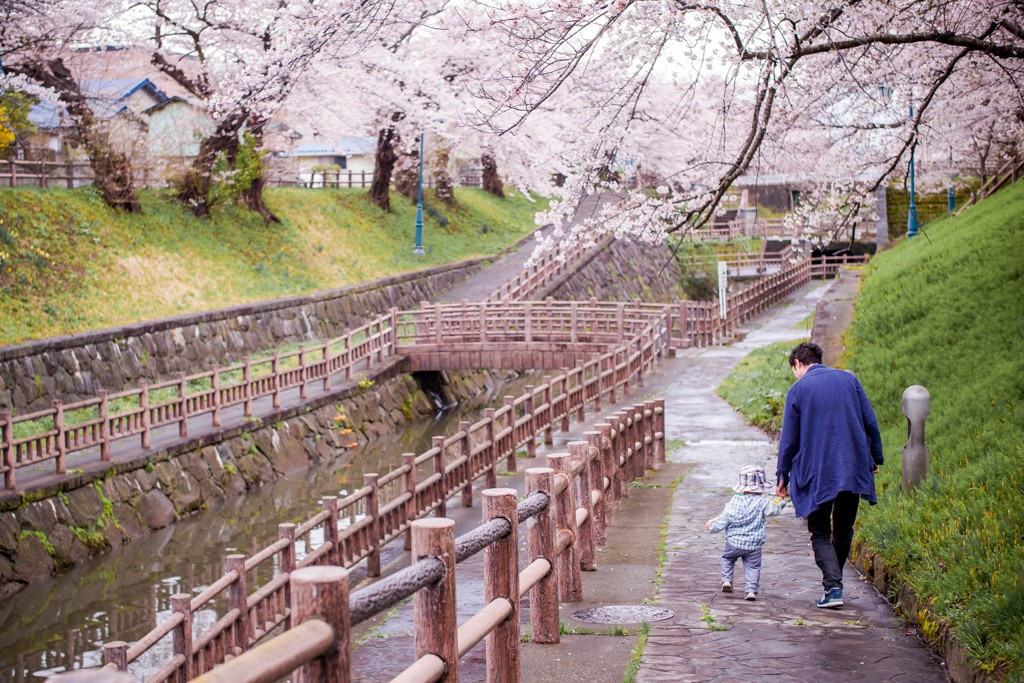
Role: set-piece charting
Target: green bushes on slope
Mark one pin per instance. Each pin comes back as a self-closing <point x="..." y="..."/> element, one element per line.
<point x="68" y="263"/>
<point x="948" y="314"/>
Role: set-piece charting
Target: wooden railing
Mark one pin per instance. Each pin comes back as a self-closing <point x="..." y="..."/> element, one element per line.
<point x="760" y="262"/>
<point x="585" y="484"/>
<point x="344" y="178"/>
<point x="1006" y="175"/>
<point x="16" y="173"/>
<point x="543" y="272"/>
<point x="824" y="267"/>
<point x="759" y="227"/>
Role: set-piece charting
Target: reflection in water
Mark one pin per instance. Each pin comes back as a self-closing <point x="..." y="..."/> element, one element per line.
<point x="60" y="624"/>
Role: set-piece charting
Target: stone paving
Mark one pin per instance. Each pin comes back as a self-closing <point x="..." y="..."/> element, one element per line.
<point x="782" y="636"/>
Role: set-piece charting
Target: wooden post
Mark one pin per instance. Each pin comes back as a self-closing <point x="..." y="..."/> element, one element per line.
<point x="659" y="430"/>
<point x="144" y="412"/>
<point x="287" y="560"/>
<point x="238" y="592"/>
<point x="438" y="443"/>
<point x="624" y="449"/>
<point x="465" y="448"/>
<point x="182" y="406"/>
<point x="491" y="478"/>
<point x="501" y="580"/>
<point x="409" y="484"/>
<point x="597" y="376"/>
<point x="434" y="615"/>
<point x="528" y="322"/>
<point x="613" y="390"/>
<point x="58" y="426"/>
<point x="510" y="463"/>
<point x="597" y="484"/>
<point x="542" y="538"/>
<point x="346" y="350"/>
<point x="372" y="511"/>
<point x="570" y="583"/>
<point x="247" y="386"/>
<point x="116" y="653"/>
<point x="327" y="366"/>
<point x="549" y="414"/>
<point x="620" y="321"/>
<point x="580" y="452"/>
<point x="215" y="387"/>
<point x="8" y="439"/>
<point x="611" y="467"/>
<point x="303" y="379"/>
<point x="565" y="393"/>
<point x="574" y="316"/>
<point x="531" y="442"/>
<point x="650" y="459"/>
<point x="275" y="378"/>
<point x="182" y="603"/>
<point x="581" y="389"/>
<point x="322" y="593"/>
<point x="104" y="414"/>
<point x="330" y="505"/>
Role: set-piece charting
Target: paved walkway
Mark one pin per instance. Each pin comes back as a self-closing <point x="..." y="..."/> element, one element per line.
<point x="782" y="636"/>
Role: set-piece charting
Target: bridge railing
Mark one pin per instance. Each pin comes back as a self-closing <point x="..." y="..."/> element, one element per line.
<point x="622" y="448"/>
<point x="544" y="271"/>
<point x="824" y="267"/>
<point x="759" y="227"/>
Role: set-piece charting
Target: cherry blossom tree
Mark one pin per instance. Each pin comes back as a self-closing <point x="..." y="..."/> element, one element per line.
<point x="842" y="92"/>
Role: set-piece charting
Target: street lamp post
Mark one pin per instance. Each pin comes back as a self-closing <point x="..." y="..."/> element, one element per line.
<point x="952" y="192"/>
<point x="912" y="209"/>
<point x="418" y="249"/>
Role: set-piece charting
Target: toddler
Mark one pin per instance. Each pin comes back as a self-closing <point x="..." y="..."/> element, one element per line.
<point x="743" y="521"/>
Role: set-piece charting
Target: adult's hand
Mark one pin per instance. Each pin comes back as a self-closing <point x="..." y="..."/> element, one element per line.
<point x="875" y="471"/>
<point x="781" y="490"/>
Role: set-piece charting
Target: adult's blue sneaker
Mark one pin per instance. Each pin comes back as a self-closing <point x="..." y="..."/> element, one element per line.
<point x="832" y="598"/>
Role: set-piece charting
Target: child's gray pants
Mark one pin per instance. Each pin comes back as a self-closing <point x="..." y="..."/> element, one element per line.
<point x="751" y="566"/>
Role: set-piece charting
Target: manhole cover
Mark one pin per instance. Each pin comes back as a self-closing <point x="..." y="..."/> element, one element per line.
<point x="622" y="614"/>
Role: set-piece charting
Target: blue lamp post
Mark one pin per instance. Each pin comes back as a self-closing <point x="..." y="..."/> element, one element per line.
<point x="912" y="209"/>
<point x="952" y="192"/>
<point x="418" y="249"/>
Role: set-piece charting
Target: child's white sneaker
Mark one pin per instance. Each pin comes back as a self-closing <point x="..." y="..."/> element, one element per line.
<point x="727" y="586"/>
<point x="751" y="596"/>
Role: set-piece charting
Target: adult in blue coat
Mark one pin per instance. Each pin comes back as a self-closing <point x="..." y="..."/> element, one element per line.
<point x="828" y="454"/>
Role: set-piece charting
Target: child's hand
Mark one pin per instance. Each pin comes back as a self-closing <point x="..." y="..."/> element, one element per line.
<point x="707" y="525"/>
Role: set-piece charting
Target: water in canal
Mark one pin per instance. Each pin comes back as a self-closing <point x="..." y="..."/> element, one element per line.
<point x="60" y="624"/>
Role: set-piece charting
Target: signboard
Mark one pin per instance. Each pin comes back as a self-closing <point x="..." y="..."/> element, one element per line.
<point x="723" y="285"/>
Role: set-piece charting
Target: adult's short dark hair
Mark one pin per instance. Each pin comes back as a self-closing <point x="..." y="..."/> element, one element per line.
<point x="807" y="353"/>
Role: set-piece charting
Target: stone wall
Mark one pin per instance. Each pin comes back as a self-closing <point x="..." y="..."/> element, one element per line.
<point x="64" y="528"/>
<point x="623" y="271"/>
<point x="74" y="367"/>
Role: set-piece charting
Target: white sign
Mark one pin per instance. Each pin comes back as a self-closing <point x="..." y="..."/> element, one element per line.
<point x="723" y="285"/>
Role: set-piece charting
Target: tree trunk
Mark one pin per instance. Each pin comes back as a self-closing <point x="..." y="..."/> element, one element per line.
<point x="252" y="196"/>
<point x="384" y="164"/>
<point x="444" y="189"/>
<point x="194" y="190"/>
<point x="407" y="177"/>
<point x="491" y="181"/>
<point x="111" y="169"/>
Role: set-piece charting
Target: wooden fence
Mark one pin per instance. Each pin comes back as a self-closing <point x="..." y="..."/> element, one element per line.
<point x="1006" y="175"/>
<point x="70" y="174"/>
<point x="824" y="267"/>
<point x="759" y="227"/>
<point x="344" y="178"/>
<point x="591" y="483"/>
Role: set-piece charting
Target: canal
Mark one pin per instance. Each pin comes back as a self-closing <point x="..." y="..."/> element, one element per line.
<point x="60" y="624"/>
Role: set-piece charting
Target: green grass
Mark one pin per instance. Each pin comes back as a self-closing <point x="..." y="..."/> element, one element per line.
<point x="757" y="386"/>
<point x="68" y="263"/>
<point x="947" y="314"/>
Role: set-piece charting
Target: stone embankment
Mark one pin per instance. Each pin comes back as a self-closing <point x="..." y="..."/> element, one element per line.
<point x="74" y="367"/>
<point x="622" y="272"/>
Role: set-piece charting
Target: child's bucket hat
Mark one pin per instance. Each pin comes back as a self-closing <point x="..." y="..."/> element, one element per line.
<point x="752" y="480"/>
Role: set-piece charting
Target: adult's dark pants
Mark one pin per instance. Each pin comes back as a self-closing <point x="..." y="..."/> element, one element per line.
<point x="831" y="527"/>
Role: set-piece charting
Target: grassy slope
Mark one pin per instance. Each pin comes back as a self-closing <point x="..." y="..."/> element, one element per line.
<point x="948" y="315"/>
<point x="68" y="263"/>
<point x="757" y="386"/>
